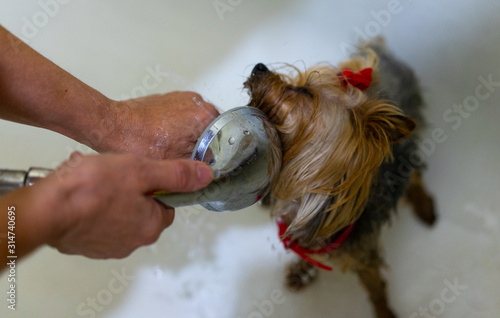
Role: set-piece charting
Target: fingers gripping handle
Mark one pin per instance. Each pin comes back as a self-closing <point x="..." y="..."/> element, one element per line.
<point x="13" y="179"/>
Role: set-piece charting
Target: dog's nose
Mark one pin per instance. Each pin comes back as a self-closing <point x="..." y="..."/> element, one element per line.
<point x="259" y="69"/>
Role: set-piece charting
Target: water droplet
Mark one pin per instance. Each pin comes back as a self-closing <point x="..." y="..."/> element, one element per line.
<point x="231" y="141"/>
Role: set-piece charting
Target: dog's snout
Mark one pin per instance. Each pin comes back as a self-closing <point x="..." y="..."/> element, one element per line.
<point x="259" y="69"/>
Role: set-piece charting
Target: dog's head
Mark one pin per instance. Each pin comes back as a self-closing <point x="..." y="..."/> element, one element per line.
<point x="334" y="137"/>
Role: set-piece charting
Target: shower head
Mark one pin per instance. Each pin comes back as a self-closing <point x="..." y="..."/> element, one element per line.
<point x="237" y="147"/>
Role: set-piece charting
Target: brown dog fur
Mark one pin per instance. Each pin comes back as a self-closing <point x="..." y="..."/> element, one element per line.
<point x="335" y="144"/>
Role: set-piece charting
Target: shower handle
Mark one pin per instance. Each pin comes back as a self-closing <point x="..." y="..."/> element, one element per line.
<point x="13" y="179"/>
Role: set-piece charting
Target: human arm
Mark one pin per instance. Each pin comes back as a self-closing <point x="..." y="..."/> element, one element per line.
<point x="95" y="209"/>
<point x="35" y="91"/>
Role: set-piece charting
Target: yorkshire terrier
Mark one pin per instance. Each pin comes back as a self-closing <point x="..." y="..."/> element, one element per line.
<point x="348" y="153"/>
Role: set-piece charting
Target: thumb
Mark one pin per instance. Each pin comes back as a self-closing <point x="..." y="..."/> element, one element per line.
<point x="178" y="175"/>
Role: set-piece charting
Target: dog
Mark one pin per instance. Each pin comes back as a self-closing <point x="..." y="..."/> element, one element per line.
<point x="347" y="154"/>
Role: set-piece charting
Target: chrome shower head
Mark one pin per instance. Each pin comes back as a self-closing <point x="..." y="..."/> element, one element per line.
<point x="237" y="148"/>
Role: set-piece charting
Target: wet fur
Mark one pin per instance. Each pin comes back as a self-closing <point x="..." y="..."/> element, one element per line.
<point x="346" y="156"/>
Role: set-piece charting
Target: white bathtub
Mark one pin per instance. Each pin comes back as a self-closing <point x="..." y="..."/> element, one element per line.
<point x="231" y="265"/>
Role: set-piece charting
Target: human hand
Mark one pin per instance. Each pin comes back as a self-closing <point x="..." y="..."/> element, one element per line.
<point x="158" y="126"/>
<point x="41" y="94"/>
<point x="102" y="208"/>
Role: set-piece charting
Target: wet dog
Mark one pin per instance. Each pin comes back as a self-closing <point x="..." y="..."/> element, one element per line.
<point x="348" y="154"/>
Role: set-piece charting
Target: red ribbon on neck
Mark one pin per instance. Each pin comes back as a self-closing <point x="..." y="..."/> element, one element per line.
<point x="361" y="79"/>
<point x="302" y="252"/>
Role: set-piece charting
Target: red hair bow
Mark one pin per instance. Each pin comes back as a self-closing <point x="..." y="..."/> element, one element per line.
<point x="361" y="79"/>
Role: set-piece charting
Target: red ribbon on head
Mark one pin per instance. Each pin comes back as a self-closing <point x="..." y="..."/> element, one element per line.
<point x="302" y="252"/>
<point x="361" y="79"/>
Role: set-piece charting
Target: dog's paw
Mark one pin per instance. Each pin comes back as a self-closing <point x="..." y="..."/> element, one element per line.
<point x="425" y="210"/>
<point x="300" y="275"/>
<point x="385" y="312"/>
<point x="422" y="201"/>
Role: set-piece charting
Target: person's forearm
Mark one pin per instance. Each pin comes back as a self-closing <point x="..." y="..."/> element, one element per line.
<point x="35" y="91"/>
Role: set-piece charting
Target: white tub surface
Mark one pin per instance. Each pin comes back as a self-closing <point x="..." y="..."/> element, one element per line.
<point x="231" y="265"/>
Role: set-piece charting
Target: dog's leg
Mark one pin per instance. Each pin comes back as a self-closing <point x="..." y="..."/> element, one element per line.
<point x="300" y="274"/>
<point x="372" y="281"/>
<point x="422" y="202"/>
<point x="266" y="200"/>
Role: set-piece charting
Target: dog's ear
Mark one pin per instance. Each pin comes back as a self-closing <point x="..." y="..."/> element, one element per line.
<point x="383" y="122"/>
